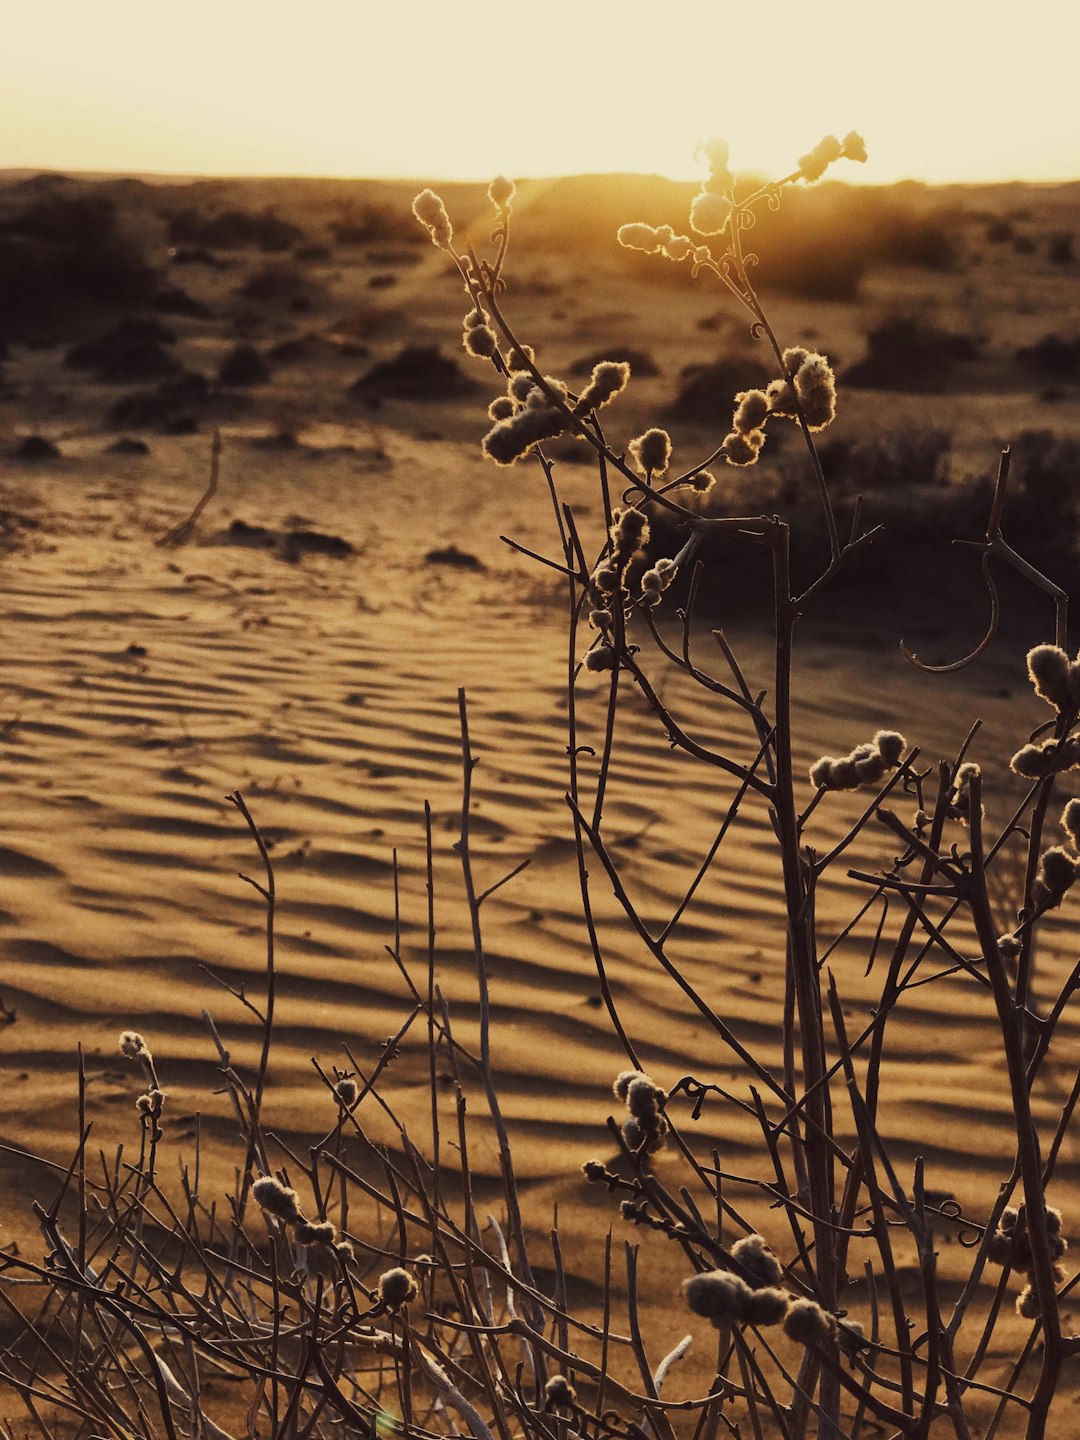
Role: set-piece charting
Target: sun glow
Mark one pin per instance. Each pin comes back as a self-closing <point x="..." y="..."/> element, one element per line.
<point x="960" y="91"/>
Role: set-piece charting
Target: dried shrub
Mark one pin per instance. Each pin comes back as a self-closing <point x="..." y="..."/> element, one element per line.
<point x="65" y="257"/>
<point x="908" y="352"/>
<point x="706" y="391"/>
<point x="416" y="372"/>
<point x="234" y="230"/>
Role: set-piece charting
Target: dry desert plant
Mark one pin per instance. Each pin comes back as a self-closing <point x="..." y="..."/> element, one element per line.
<point x="348" y="1296"/>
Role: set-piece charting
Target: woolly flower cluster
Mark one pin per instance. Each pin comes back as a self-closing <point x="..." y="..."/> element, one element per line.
<point x="808" y="381"/>
<point x="815" y="162"/>
<point x="662" y="240"/>
<point x="151" y="1103"/>
<point x="750" y="1294"/>
<point x="711" y="207"/>
<point x="1056" y="679"/>
<point x="1010" y="1244"/>
<point x="323" y="1251"/>
<point x="959" y="805"/>
<point x="531" y="411"/>
<point x="808" y="386"/>
<point x="133" y="1046"/>
<point x="656" y="580"/>
<point x="865" y="765"/>
<point x="431" y="212"/>
<point x="645" y="1127"/>
<point x="1059" y="866"/>
<point x="629" y="533"/>
<point x="651" y="452"/>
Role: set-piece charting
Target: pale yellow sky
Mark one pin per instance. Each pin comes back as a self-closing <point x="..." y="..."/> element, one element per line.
<point x="436" y="89"/>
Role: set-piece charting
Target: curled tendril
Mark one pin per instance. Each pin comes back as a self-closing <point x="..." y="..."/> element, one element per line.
<point x="731" y="276"/>
<point x="772" y="196"/>
<point x="750" y="259"/>
<point x="746" y="218"/>
<point x="970" y="1233"/>
<point x="995" y="616"/>
<point x="697" y="1091"/>
<point x="757" y="330"/>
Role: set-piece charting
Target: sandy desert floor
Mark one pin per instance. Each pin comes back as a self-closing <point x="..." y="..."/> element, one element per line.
<point x="142" y="682"/>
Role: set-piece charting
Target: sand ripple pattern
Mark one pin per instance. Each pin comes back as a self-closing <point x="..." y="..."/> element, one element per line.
<point x="139" y="690"/>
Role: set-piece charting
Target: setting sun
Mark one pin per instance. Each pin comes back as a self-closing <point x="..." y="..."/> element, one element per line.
<point x="959" y="91"/>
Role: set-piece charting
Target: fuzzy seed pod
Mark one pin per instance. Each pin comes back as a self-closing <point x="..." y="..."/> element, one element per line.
<point x="510" y="439"/>
<point x="344" y="1251"/>
<point x="621" y="1088"/>
<point x="1049" y="671"/>
<point x="480" y="342"/>
<point x="678" y="247"/>
<point x="1027" y="1303"/>
<point x="854" y="147"/>
<point x="960" y="794"/>
<point x="851" y="1337"/>
<point x="865" y="765"/>
<point x="645" y="1133"/>
<point x="629" y="533"/>
<point x="709" y="213"/>
<point x="781" y="397"/>
<point x="594" y="1170"/>
<point x="743" y="449"/>
<point x="815" y="162"/>
<point x="520" y="358"/>
<point x="644" y="1098"/>
<point x="718" y="1295"/>
<point x="320" y="1232"/>
<point x="150" y="1103"/>
<point x="501" y="408"/>
<point x="277" y="1199"/>
<point x="501" y="192"/>
<point x="638" y="236"/>
<point x="703" y="481"/>
<point x="431" y="212"/>
<point x="890" y="745"/>
<point x="599" y="658"/>
<point x="766" y="1307"/>
<point x="346" y="1090"/>
<point x="132" y="1045"/>
<point x="807" y="1323"/>
<point x="605" y="578"/>
<point x="815" y="385"/>
<point x="821" y="772"/>
<point x="1070" y="822"/>
<point x="559" y="1391"/>
<point x="651" y="452"/>
<point x="1037" y="761"/>
<point x="757" y="1263"/>
<point x="717" y="154"/>
<point x="397" y="1287"/>
<point x="1057" y="871"/>
<point x="751" y="411"/>
<point x="608" y="379"/>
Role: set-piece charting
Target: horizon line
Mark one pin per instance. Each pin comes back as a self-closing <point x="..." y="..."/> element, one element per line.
<point x="31" y="171"/>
